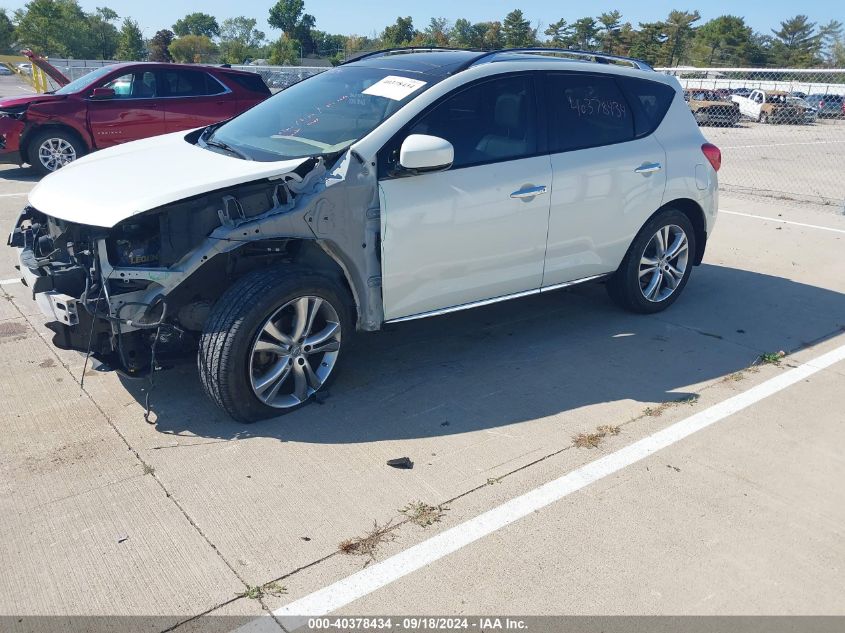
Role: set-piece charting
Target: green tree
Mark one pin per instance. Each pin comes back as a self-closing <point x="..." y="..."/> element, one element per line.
<point x="648" y="42"/>
<point x="830" y="35"/>
<point x="584" y="33"/>
<point x="610" y="25"/>
<point x="517" y="30"/>
<point x="160" y="46"/>
<point x="193" y="49"/>
<point x="285" y="15"/>
<point x="327" y="44"/>
<point x="560" y="33"/>
<point x="725" y="40"/>
<point x="53" y="27"/>
<point x="679" y="32"/>
<point x="104" y="34"/>
<point x="285" y="52"/>
<point x="130" y="45"/>
<point x="197" y="24"/>
<point x="491" y="35"/>
<point x="438" y="32"/>
<point x="462" y="34"/>
<point x="796" y="43"/>
<point x="7" y="32"/>
<point x="398" y="34"/>
<point x="239" y="39"/>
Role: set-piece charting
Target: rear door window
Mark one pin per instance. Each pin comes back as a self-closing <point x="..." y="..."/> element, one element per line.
<point x="586" y="111"/>
<point x="191" y="83"/>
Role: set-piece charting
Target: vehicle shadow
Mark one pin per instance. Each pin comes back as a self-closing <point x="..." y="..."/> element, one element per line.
<point x="21" y="174"/>
<point x="528" y="359"/>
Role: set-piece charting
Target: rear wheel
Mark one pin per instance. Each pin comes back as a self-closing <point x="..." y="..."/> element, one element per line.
<point x="272" y="341"/>
<point x="50" y="150"/>
<point x="657" y="266"/>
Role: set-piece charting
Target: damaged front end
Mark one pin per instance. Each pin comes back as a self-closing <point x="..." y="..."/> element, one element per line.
<point x="140" y="291"/>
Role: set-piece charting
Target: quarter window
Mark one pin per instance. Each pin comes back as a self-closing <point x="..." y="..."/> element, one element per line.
<point x="586" y="111"/>
<point x="651" y="100"/>
<point x="488" y="122"/>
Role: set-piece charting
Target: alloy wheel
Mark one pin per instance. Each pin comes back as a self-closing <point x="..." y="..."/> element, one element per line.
<point x="664" y="263"/>
<point x="55" y="153"/>
<point x="294" y="352"/>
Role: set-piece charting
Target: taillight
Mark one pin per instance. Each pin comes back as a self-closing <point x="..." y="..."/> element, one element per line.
<point x="713" y="154"/>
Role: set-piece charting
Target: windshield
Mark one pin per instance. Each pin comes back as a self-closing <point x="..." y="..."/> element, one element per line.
<point x="321" y="115"/>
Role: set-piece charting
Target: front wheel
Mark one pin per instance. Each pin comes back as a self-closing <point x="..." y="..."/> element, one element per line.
<point x="657" y="266"/>
<point x="51" y="150"/>
<point x="272" y="341"/>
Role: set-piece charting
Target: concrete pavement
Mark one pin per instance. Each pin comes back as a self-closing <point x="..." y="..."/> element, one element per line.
<point x="101" y="513"/>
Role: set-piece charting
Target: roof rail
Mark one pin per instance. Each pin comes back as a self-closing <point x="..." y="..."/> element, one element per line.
<point x="597" y="57"/>
<point x="411" y="49"/>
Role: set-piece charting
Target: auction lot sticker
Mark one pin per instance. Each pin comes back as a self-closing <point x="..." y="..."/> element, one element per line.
<point x="393" y="87"/>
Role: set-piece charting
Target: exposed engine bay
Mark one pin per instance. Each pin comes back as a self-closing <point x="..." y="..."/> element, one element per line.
<point x="139" y="292"/>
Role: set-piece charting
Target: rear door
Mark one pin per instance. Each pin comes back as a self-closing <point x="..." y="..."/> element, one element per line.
<point x="194" y="98"/>
<point x="608" y="169"/>
<point x="133" y="113"/>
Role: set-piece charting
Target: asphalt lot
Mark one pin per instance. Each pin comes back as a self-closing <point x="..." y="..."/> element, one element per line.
<point x="104" y="514"/>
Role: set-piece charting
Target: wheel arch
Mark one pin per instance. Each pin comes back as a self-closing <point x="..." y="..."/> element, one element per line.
<point x="35" y="130"/>
<point x="695" y="213"/>
<point x="205" y="282"/>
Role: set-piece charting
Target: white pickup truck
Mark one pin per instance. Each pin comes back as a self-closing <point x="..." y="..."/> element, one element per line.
<point x="769" y="106"/>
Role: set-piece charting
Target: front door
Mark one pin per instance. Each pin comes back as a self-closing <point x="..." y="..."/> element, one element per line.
<point x="133" y="113"/>
<point x="477" y="230"/>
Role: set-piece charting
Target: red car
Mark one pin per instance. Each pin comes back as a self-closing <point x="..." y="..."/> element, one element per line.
<point x="120" y="103"/>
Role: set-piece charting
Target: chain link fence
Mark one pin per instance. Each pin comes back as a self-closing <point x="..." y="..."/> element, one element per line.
<point x="781" y="131"/>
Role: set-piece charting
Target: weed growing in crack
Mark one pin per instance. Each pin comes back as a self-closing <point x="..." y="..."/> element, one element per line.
<point x="368" y="544"/>
<point x="423" y="514"/>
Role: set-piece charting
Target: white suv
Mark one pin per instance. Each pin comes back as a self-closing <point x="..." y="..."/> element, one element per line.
<point x="405" y="184"/>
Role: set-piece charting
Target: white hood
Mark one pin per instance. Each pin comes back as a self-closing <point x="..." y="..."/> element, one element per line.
<point x="111" y="185"/>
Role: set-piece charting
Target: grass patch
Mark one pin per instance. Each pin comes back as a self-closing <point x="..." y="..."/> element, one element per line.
<point x="593" y="440"/>
<point x="657" y="411"/>
<point x="259" y="591"/>
<point x="771" y="358"/>
<point x="423" y="514"/>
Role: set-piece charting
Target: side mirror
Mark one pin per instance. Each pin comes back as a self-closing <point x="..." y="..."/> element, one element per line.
<point x="421" y="153"/>
<point x="103" y="93"/>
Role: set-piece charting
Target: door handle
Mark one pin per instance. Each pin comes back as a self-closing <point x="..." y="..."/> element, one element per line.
<point x="530" y="192"/>
<point x="648" y="168"/>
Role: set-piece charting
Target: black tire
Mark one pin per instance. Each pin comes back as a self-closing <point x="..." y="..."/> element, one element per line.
<point x="624" y="285"/>
<point x="40" y="137"/>
<point x="235" y="322"/>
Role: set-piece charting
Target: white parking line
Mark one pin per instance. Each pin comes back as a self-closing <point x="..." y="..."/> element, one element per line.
<point x="368" y="580"/>
<point x="14" y="195"/>
<point x="778" y="220"/>
<point x="9" y="282"/>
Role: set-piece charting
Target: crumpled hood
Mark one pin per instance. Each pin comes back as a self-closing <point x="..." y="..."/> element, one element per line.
<point x="114" y="184"/>
<point x="9" y="103"/>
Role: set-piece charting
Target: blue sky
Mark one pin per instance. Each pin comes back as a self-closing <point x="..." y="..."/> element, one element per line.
<point x="362" y="17"/>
